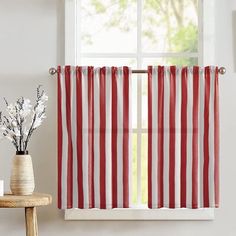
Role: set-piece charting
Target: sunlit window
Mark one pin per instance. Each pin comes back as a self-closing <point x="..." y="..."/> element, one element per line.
<point x="138" y="33"/>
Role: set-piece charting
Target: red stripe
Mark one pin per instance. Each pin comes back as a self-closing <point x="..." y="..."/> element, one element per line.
<point x="150" y="136"/>
<point x="216" y="139"/>
<point x="79" y="136"/>
<point x="91" y="137"/>
<point x="60" y="134"/>
<point x="183" y="170"/>
<point x="160" y="115"/>
<point x="195" y="137"/>
<point x="172" y="137"/>
<point x="114" y="137"/>
<point x="102" y="138"/>
<point x="93" y="188"/>
<point x="126" y="137"/>
<point x="70" y="148"/>
<point x="205" y="139"/>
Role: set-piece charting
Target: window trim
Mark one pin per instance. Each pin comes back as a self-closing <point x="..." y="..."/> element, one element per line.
<point x="205" y="55"/>
<point x="139" y="214"/>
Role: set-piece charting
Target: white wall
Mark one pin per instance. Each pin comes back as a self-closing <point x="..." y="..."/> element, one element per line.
<point x="31" y="41"/>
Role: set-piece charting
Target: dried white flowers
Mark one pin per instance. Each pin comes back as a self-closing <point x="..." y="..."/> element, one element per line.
<point x="22" y="119"/>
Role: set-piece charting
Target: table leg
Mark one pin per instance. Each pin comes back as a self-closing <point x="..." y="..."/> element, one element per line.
<point x="31" y="221"/>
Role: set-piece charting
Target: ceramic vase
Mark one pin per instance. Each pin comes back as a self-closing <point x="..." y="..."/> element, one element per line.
<point x="22" y="174"/>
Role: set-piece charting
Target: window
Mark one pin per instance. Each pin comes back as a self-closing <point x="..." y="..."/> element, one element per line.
<point x="136" y="33"/>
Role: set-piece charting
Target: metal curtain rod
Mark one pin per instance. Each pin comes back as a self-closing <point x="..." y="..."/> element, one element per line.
<point x="53" y="71"/>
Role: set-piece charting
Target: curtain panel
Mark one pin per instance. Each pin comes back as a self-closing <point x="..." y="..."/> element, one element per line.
<point x="94" y="137"/>
<point x="183" y="137"/>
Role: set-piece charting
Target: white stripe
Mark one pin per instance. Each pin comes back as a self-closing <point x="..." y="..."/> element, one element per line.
<point x="85" y="135"/>
<point x="74" y="136"/>
<point x="166" y="135"/>
<point x="64" y="142"/>
<point x="108" y="138"/>
<point x="178" y="137"/>
<point x="96" y="138"/>
<point x="201" y="133"/>
<point x="154" y="136"/>
<point x="211" y="140"/>
<point x="130" y="137"/>
<point x="189" y="138"/>
<point x="120" y="138"/>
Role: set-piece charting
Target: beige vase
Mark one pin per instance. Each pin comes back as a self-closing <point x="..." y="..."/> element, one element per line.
<point x="22" y="174"/>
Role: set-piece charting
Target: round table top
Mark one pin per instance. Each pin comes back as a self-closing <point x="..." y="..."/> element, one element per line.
<point x="34" y="200"/>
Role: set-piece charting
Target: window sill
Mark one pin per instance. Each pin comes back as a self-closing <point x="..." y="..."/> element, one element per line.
<point x="140" y="214"/>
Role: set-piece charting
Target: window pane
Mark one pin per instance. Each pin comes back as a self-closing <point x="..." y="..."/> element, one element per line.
<point x="134" y="100"/>
<point x="170" y="26"/>
<point x="134" y="170"/>
<point x="85" y="61"/>
<point x="144" y="153"/>
<point x="184" y="61"/>
<point x="108" y="26"/>
<point x="144" y="100"/>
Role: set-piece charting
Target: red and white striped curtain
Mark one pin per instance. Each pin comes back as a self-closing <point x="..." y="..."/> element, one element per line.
<point x="94" y="141"/>
<point x="183" y="137"/>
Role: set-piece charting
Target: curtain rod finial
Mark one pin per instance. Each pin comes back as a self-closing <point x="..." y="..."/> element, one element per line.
<point x="52" y="71"/>
<point x="222" y="70"/>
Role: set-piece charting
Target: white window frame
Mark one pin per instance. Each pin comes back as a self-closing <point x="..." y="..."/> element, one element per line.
<point x="205" y="55"/>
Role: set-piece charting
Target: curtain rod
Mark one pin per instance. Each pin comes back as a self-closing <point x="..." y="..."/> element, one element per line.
<point x="53" y="71"/>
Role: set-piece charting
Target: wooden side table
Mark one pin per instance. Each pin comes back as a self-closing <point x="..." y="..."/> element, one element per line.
<point x="29" y="203"/>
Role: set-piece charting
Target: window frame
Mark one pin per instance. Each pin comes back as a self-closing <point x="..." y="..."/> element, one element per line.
<point x="205" y="56"/>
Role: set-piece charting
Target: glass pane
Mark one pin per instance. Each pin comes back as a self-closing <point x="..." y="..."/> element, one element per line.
<point x="170" y="26"/>
<point x="144" y="168"/>
<point x="134" y="100"/>
<point x="134" y="170"/>
<point x="183" y="61"/>
<point x="108" y="62"/>
<point x="108" y="26"/>
<point x="144" y="101"/>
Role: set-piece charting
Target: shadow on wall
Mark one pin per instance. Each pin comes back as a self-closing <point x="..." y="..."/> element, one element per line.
<point x="234" y="39"/>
